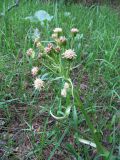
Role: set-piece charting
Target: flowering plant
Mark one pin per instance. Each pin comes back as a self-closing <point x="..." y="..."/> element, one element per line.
<point x="56" y="58"/>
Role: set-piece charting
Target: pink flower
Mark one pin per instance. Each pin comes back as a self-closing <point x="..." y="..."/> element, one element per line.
<point x="49" y="48"/>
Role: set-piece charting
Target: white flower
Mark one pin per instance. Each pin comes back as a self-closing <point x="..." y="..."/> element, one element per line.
<point x="69" y="54"/>
<point x="63" y="92"/>
<point x="66" y="85"/>
<point x="57" y="30"/>
<point x="54" y="35"/>
<point x="74" y="30"/>
<point x="38" y="84"/>
<point x="30" y="52"/>
<point x="34" y="71"/>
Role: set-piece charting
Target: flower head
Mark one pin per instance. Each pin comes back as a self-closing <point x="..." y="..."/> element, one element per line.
<point x="38" y="84"/>
<point x="66" y="85"/>
<point x="38" y="44"/>
<point x="69" y="54"/>
<point x="62" y="40"/>
<point x="34" y="71"/>
<point x="57" y="30"/>
<point x="74" y="30"/>
<point x="49" y="48"/>
<point x="63" y="92"/>
<point x="40" y="55"/>
<point x="54" y="35"/>
<point x="50" y="45"/>
<point x="30" y="52"/>
<point x="57" y="49"/>
<point x="36" y="40"/>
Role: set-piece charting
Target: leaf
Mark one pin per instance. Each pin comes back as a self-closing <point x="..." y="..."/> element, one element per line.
<point x="65" y="115"/>
<point x="84" y="141"/>
<point x="36" y="33"/>
<point x="45" y="76"/>
<point x="40" y="16"/>
<point x="75" y="118"/>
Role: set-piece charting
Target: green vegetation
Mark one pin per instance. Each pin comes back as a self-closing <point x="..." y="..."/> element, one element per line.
<point x="34" y="124"/>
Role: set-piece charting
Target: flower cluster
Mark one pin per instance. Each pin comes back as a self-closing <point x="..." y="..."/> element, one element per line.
<point x="57" y="46"/>
<point x="61" y="40"/>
